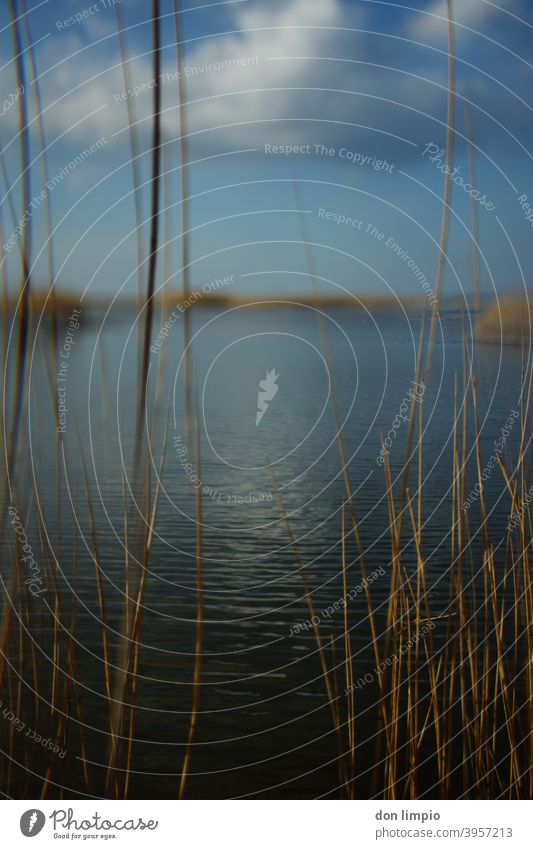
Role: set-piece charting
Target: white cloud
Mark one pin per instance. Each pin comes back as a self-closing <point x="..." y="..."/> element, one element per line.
<point x="273" y="35"/>
<point x="267" y="39"/>
<point x="88" y="80"/>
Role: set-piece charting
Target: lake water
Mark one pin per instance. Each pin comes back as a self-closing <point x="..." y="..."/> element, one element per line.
<point x="264" y="728"/>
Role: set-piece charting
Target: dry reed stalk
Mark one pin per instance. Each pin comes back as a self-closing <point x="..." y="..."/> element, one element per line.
<point x="44" y="174"/>
<point x="350" y="698"/>
<point x="484" y="753"/>
<point x="392" y="637"/>
<point x="198" y="646"/>
<point x="130" y="649"/>
<point x="134" y="153"/>
<point x="443" y="242"/>
<point x="25" y="241"/>
<point x="501" y="673"/>
<point x="404" y="485"/>
<point x="137" y="614"/>
<point x="95" y="556"/>
<point x="450" y="650"/>
<point x="154" y="230"/>
<point x="475" y="213"/>
<point x="136" y="582"/>
<point x="413" y="664"/>
<point x="433" y="670"/>
<point x="5" y="322"/>
<point x="185" y="218"/>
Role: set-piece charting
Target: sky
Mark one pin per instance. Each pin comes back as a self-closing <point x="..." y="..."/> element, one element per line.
<point x="315" y="120"/>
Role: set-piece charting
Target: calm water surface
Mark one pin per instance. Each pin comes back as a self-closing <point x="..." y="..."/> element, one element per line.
<point x="264" y="727"/>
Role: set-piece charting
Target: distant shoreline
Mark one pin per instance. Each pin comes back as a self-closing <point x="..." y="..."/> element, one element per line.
<point x="65" y="301"/>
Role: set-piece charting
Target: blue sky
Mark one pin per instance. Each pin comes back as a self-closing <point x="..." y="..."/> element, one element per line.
<point x="367" y="79"/>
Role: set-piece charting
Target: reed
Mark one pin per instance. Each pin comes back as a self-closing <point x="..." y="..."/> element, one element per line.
<point x="457" y="690"/>
<point x="25" y="242"/>
<point x="198" y="645"/>
<point x="446" y="205"/>
<point x="449" y="710"/>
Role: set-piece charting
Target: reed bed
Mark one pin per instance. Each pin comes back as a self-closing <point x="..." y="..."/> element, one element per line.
<point x="450" y="703"/>
<point x="448" y="712"/>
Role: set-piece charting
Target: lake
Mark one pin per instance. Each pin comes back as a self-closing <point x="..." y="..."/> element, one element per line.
<point x="264" y="727"/>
